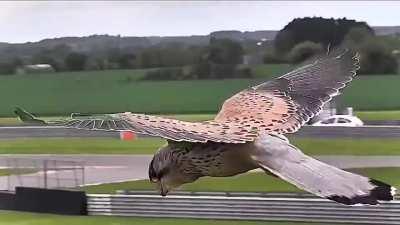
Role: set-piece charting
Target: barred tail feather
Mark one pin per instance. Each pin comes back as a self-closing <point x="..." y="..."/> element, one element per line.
<point x="286" y="161"/>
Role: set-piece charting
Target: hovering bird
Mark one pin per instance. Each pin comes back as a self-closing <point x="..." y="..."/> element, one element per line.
<point x="248" y="132"/>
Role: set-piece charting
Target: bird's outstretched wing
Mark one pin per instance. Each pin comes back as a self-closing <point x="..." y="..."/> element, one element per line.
<point x="281" y="105"/>
<point x="286" y="103"/>
<point x="171" y="129"/>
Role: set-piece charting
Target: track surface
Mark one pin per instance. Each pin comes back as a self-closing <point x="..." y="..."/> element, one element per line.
<point x="117" y="168"/>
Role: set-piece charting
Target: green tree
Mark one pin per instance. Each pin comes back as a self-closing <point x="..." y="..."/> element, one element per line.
<point x="8" y="67"/>
<point x="357" y="35"/>
<point x="376" y="58"/>
<point x="225" y="51"/>
<point x="75" y="61"/>
<point x="303" y="51"/>
<point x="127" y="61"/>
<point x="328" y="32"/>
<point x="149" y="58"/>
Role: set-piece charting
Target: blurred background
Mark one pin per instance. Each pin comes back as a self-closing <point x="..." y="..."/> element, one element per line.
<point x="182" y="59"/>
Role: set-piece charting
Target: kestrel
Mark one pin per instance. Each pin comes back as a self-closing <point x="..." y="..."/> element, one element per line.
<point x="247" y="134"/>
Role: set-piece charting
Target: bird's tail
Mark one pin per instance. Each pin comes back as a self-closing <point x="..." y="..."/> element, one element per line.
<point x="290" y="164"/>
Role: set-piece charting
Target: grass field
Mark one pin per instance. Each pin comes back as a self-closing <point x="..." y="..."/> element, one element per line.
<point x="80" y="146"/>
<point x="61" y="94"/>
<point x="378" y="115"/>
<point x="268" y="71"/>
<point x="119" y="91"/>
<point x="22" y="218"/>
<point x="249" y="182"/>
<point x="7" y="172"/>
<point x="150" y="145"/>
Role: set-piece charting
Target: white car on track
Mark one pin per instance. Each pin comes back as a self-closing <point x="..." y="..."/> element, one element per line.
<point x="340" y="121"/>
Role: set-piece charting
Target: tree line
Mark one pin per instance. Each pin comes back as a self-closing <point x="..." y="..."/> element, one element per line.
<point x="305" y="37"/>
<point x="221" y="57"/>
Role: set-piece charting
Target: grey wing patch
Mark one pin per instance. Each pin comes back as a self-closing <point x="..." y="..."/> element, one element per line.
<point x="311" y="86"/>
<point x="110" y="122"/>
<point x="163" y="127"/>
<point x="290" y="164"/>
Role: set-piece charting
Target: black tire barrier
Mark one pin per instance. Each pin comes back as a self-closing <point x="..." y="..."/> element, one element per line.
<point x="50" y="201"/>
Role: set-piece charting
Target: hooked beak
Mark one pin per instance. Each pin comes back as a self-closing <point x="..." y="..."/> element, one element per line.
<point x="163" y="190"/>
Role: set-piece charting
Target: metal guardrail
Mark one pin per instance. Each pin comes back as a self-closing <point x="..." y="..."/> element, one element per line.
<point x="346" y="132"/>
<point x="228" y="194"/>
<point x="301" y="209"/>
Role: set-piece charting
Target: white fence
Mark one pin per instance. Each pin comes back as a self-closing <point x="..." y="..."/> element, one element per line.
<point x="42" y="173"/>
<point x="302" y="209"/>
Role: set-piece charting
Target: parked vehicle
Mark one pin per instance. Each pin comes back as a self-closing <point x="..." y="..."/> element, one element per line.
<point x="340" y="121"/>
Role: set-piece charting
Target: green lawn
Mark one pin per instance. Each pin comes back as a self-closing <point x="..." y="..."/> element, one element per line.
<point x="7" y="172"/>
<point x="119" y="91"/>
<point x="62" y="94"/>
<point x="9" y="121"/>
<point x="370" y="146"/>
<point x="23" y="218"/>
<point x="150" y="145"/>
<point x="378" y="115"/>
<point x="375" y="92"/>
<point x="268" y="71"/>
<point x="80" y="146"/>
<point x="249" y="182"/>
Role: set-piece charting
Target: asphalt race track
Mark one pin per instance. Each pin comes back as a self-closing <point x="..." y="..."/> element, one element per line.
<point x="50" y="131"/>
<point x="117" y="168"/>
<point x="306" y="131"/>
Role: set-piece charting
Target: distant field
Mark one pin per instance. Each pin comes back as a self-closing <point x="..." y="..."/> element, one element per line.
<point x="24" y="218"/>
<point x="150" y="145"/>
<point x="7" y="172"/>
<point x="378" y="115"/>
<point x="378" y="92"/>
<point x="268" y="71"/>
<point x="62" y="94"/>
<point x="249" y="182"/>
<point x="119" y="91"/>
<point x="80" y="146"/>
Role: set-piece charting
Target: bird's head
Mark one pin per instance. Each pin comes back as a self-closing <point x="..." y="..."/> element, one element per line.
<point x="170" y="168"/>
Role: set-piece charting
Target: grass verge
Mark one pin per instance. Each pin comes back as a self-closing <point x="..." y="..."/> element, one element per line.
<point x="8" y="172"/>
<point x="80" y="146"/>
<point x="378" y="115"/>
<point x="23" y="218"/>
<point x="150" y="146"/>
